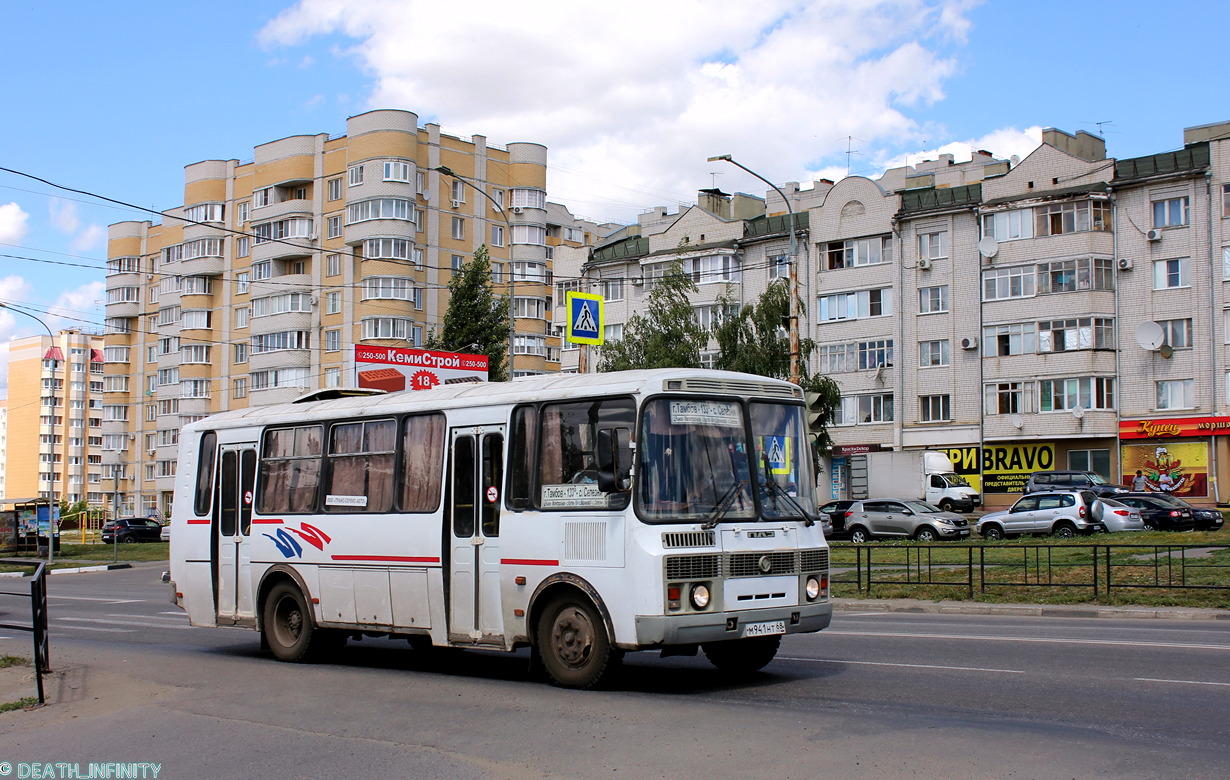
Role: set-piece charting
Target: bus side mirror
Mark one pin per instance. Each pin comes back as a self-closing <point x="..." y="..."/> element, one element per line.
<point x="614" y="455"/>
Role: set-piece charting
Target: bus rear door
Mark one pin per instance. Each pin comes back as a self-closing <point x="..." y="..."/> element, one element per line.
<point x="233" y="533"/>
<point x="476" y="468"/>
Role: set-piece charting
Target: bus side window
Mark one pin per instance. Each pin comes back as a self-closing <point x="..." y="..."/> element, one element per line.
<point x="205" y="467"/>
<point x="290" y="469"/>
<point x="521" y="447"/>
<point x="361" y="456"/>
<point x="567" y="456"/>
<point x="422" y="445"/>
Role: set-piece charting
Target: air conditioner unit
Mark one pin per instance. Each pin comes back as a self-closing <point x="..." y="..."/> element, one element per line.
<point x="969" y="343"/>
<point x="517" y="209"/>
<point x="1153" y="235"/>
<point x="637" y="281"/>
<point x="924" y="264"/>
<point x="457" y="203"/>
<point x="1125" y="264"/>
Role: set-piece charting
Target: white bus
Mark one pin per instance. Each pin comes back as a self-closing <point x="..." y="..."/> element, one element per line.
<point x="580" y="515"/>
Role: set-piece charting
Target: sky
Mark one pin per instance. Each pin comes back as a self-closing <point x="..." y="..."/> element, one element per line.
<point x="114" y="99"/>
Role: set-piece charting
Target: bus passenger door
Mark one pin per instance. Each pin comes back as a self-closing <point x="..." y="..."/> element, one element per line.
<point x="233" y="533"/>
<point x="476" y="471"/>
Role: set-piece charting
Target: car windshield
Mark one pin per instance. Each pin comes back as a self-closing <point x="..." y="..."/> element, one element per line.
<point x="695" y="461"/>
<point x="1097" y="479"/>
<point x="922" y="507"/>
<point x="956" y="480"/>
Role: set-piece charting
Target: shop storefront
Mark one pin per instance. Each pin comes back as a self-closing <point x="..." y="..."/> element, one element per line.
<point x="1185" y="455"/>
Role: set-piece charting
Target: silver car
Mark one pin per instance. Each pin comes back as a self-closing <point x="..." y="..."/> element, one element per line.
<point x="1064" y="513"/>
<point x="903" y="518"/>
<point x="1118" y="516"/>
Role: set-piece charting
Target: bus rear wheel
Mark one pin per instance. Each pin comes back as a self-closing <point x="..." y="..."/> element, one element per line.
<point x="288" y="630"/>
<point x="742" y="656"/>
<point x="573" y="644"/>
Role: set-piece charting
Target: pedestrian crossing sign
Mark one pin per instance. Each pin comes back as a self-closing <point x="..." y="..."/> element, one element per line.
<point x="584" y="318"/>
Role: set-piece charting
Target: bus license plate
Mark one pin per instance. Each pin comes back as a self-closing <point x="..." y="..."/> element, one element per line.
<point x="764" y="629"/>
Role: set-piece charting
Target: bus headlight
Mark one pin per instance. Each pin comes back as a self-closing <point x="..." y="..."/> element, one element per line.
<point x="700" y="596"/>
<point x="813" y="589"/>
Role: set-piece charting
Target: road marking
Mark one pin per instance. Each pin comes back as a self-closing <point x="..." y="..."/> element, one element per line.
<point x="93" y="628"/>
<point x="1183" y="682"/>
<point x="180" y="618"/>
<point x="908" y="666"/>
<point x="1040" y="640"/>
<point x="96" y="598"/>
<point x="119" y="622"/>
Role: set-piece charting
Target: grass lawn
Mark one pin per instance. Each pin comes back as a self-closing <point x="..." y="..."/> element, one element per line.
<point x="70" y="555"/>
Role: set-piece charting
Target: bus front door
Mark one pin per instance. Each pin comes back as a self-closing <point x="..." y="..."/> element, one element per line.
<point x="233" y="534"/>
<point x="476" y="469"/>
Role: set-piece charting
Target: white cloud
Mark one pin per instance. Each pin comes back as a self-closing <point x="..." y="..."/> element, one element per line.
<point x="1004" y="143"/>
<point x="64" y="215"/>
<point x="93" y="237"/>
<point x="638" y="97"/>
<point x="80" y="303"/>
<point x="14" y="223"/>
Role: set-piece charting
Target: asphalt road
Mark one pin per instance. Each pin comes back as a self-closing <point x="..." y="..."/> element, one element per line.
<point x="876" y="695"/>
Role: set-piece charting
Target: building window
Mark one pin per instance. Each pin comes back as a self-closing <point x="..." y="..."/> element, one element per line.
<point x="1008" y="398"/>
<point x="534" y="235"/>
<point x="204" y="212"/>
<point x="241" y="316"/>
<point x="875" y="354"/>
<point x="387" y="249"/>
<point x="333" y="265"/>
<point x="397" y="170"/>
<point x="530" y="345"/>
<point x="262" y="197"/>
<point x="387" y="328"/>
<point x="335" y="188"/>
<point x="497" y="235"/>
<point x="333" y="302"/>
<point x="712" y="269"/>
<point x="399" y="288"/>
<point x="1013" y="339"/>
<point x="1073" y="275"/>
<point x="1171" y="212"/>
<point x="1009" y="225"/>
<point x="199" y="319"/>
<point x="1057" y="395"/>
<point x="241" y="352"/>
<point x="933" y="246"/>
<point x="779" y="266"/>
<point x="497" y="273"/>
<point x="281" y="377"/>
<point x="711" y="316"/>
<point x="1001" y="283"/>
<point x="860" y="409"/>
<point x="243" y="246"/>
<point x="530" y="272"/>
<point x="1060" y="218"/>
<point x="497" y="195"/>
<point x="612" y="289"/>
<point x="239" y="387"/>
<point x="281" y="304"/>
<point x="933" y="353"/>
<point x="933" y="300"/>
<point x="1175" y="394"/>
<point x="530" y="308"/>
<point x="242" y="210"/>
<point x="459" y="228"/>
<point x="355" y="175"/>
<point x="334" y="227"/>
<point x="459" y="191"/>
<point x="1069" y="335"/>
<point x="935" y="408"/>
<point x="1170" y="273"/>
<point x="420" y="220"/>
<point x="1178" y="333"/>
<point x="857" y="305"/>
<point x="295" y="227"/>
<point x="262" y="270"/>
<point x="529" y="199"/>
<point x="194" y="388"/>
<point x="837" y="358"/>
<point x="615" y="333"/>
<point x="194" y="353"/>
<point x="856" y="252"/>
<point x="1097" y="461"/>
<point x="276" y="342"/>
<point x="458" y="262"/>
<point x="333" y="377"/>
<point x="333" y="340"/>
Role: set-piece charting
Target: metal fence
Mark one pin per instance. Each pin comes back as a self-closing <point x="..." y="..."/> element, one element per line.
<point x="38" y="623"/>
<point x="1101" y="568"/>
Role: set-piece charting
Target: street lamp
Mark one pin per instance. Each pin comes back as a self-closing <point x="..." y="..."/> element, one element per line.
<point x="512" y="282"/>
<point x="50" y="355"/>
<point x="794" y="274"/>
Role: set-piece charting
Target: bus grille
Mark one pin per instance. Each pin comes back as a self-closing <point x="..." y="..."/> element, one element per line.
<point x="676" y="539"/>
<point x="736" y="387"/>
<point x="749" y="564"/>
<point x="693" y="567"/>
<point x="811" y="561"/>
<point x="746" y="564"/>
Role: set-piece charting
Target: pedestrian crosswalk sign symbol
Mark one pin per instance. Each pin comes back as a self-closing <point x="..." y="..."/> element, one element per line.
<point x="584" y="318"/>
<point x="777" y="453"/>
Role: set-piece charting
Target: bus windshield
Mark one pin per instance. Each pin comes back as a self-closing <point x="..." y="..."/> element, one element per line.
<point x="696" y="462"/>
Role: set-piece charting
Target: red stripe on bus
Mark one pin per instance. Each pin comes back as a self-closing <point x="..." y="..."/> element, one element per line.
<point x="266" y="521"/>
<point x="204" y="521"/>
<point x="528" y="562"/>
<point x="398" y="558"/>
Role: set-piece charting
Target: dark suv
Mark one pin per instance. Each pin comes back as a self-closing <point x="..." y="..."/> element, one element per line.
<point x="132" y="529"/>
<point x="1072" y="480"/>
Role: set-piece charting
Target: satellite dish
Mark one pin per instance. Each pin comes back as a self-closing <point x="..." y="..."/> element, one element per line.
<point x="1017" y="422"/>
<point x="1078" y="412"/>
<point x="988" y="246"/>
<point x="1165" y="351"/>
<point x="1150" y="336"/>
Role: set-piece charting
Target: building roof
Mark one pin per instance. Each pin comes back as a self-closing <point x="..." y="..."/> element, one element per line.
<point x="778" y="223"/>
<point x="625" y="248"/>
<point x="934" y="198"/>
<point x="1189" y="159"/>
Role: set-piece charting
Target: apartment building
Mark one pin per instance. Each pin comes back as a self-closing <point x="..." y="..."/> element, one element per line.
<point x="53" y="434"/>
<point x="259" y="287"/>
<point x="1067" y="310"/>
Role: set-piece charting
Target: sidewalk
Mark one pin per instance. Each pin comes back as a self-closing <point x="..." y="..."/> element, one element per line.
<point x="1027" y="610"/>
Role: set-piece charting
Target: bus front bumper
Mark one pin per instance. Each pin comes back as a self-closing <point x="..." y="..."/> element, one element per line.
<point x="694" y="628"/>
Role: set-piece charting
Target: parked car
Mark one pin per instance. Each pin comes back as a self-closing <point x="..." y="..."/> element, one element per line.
<point x="165" y="533"/>
<point x="1206" y="519"/>
<point x="903" y="518"/>
<point x="1160" y="513"/>
<point x="1041" y="481"/>
<point x="1064" y="513"/>
<point x="132" y="529"/>
<point x="1118" y="516"/>
<point x="837" y="512"/>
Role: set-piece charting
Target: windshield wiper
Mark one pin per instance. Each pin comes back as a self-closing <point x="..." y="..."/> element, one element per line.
<point x="776" y="490"/>
<point x="722" y="506"/>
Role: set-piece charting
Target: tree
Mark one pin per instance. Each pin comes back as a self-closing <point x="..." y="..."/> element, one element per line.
<point x="667" y="335"/>
<point x="475" y="315"/>
<point x="755" y="341"/>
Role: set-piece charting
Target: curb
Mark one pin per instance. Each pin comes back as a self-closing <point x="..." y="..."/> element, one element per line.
<point x="74" y="570"/>
<point x="1029" y="610"/>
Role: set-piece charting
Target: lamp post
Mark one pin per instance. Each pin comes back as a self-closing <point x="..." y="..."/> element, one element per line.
<point x="50" y="355"/>
<point x="793" y="263"/>
<point x="512" y="298"/>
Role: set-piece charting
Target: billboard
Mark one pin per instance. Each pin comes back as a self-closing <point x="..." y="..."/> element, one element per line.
<point x="1005" y="467"/>
<point x="394" y="369"/>
<point x="1184" y="464"/>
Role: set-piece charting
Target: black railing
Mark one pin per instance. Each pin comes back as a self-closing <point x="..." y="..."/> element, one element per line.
<point x="38" y="624"/>
<point x="1098" y="567"/>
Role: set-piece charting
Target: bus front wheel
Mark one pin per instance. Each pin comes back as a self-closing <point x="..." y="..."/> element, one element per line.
<point x="573" y="643"/>
<point x="742" y="656"/>
<point x="287" y="627"/>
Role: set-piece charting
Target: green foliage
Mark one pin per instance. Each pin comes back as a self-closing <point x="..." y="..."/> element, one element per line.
<point x="757" y="341"/>
<point x="475" y="315"/>
<point x="666" y="335"/>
